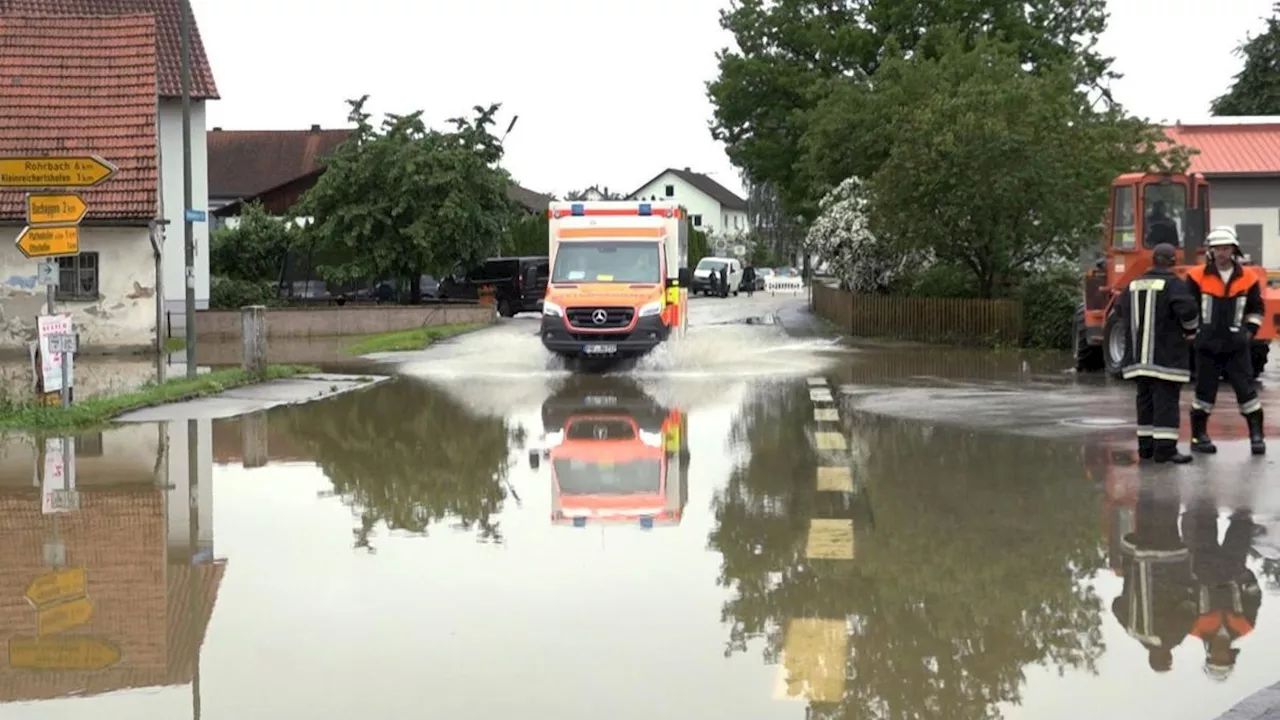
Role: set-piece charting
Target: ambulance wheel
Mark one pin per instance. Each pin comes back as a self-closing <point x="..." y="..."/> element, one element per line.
<point x="1115" y="345"/>
<point x="1259" y="352"/>
<point x="1088" y="357"/>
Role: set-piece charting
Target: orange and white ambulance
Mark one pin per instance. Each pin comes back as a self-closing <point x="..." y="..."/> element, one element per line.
<point x="619" y="277"/>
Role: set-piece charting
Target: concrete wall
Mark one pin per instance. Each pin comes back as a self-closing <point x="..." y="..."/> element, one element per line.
<point x="124" y="315"/>
<point x="95" y="376"/>
<point x="715" y="218"/>
<point x="331" y="321"/>
<point x="175" y="286"/>
<point x="1249" y="201"/>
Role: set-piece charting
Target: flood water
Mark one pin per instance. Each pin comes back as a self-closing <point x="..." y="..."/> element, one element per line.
<point x="749" y="526"/>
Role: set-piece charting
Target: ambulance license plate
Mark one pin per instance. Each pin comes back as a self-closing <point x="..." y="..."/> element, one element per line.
<point x="600" y="349"/>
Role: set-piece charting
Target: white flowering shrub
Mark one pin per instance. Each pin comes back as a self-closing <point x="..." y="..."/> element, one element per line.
<point x="841" y="239"/>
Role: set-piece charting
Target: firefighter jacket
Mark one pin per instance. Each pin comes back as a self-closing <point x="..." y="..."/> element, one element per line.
<point x="1157" y="606"/>
<point x="1227" y="592"/>
<point x="1230" y="311"/>
<point x="1159" y="312"/>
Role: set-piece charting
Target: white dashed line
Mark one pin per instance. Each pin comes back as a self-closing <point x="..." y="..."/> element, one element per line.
<point x="835" y="479"/>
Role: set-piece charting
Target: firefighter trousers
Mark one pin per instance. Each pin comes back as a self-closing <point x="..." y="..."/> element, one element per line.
<point x="1238" y="366"/>
<point x="1158" y="416"/>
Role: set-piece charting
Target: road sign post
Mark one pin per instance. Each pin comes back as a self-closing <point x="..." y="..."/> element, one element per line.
<point x="53" y="223"/>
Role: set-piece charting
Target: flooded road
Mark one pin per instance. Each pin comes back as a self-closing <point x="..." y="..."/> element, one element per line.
<point x="765" y="527"/>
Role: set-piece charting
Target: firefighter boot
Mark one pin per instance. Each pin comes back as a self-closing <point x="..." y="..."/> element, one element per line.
<point x="1146" y="447"/>
<point x="1166" y="451"/>
<point x="1200" y="441"/>
<point x="1257" y="445"/>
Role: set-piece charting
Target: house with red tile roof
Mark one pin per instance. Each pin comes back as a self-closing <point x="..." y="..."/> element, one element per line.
<point x="168" y="92"/>
<point x="75" y="86"/>
<point x="1240" y="157"/>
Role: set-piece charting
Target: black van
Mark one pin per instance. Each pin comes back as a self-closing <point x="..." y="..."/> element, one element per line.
<point x="519" y="283"/>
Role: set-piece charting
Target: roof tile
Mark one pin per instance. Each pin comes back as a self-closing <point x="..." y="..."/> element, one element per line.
<point x="83" y="86"/>
<point x="1251" y="148"/>
<point x="243" y="163"/>
<point x="168" y="38"/>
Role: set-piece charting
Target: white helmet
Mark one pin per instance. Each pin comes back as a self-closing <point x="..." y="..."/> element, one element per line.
<point x="1220" y="236"/>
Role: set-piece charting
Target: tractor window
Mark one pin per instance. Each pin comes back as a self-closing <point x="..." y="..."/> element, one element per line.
<point x="1166" y="214"/>
<point x="1122" y="217"/>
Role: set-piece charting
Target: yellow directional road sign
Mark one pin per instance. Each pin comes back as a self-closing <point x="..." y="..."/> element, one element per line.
<point x="55" y="209"/>
<point x="54" y="172"/>
<point x="61" y="618"/>
<point x="57" y="586"/>
<point x="39" y="242"/>
<point x="68" y="652"/>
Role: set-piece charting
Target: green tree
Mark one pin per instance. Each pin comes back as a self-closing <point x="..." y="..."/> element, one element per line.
<point x="407" y="455"/>
<point x="401" y="200"/>
<point x="991" y="168"/>
<point x="528" y="235"/>
<point x="253" y="250"/>
<point x="1256" y="90"/>
<point x="789" y="52"/>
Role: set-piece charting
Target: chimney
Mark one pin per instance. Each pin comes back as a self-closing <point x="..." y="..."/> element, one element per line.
<point x="687" y="170"/>
<point x="217" y="129"/>
<point x="315" y="128"/>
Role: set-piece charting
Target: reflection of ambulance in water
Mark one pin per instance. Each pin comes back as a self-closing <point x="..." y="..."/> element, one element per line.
<point x="619" y="277"/>
<point x="616" y="456"/>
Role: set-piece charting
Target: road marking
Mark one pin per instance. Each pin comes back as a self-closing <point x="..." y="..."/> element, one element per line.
<point x="812" y="666"/>
<point x="817" y="381"/>
<point x="829" y="539"/>
<point x="820" y="395"/>
<point x="830" y="441"/>
<point x="835" y="479"/>
<point x="826" y="415"/>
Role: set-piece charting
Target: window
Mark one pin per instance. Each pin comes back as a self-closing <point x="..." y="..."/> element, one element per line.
<point x="670" y="191"/>
<point x="696" y="220"/>
<point x="1165" y="221"/>
<point x="737" y="222"/>
<point x="1122" y="201"/>
<point x="78" y="277"/>
<point x="603" y="261"/>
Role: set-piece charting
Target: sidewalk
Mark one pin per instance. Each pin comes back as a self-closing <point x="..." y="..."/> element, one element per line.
<point x="252" y="398"/>
<point x="1262" y="705"/>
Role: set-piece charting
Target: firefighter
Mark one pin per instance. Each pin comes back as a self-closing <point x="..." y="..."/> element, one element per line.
<point x="1231" y="309"/>
<point x="1157" y="605"/>
<point x="1226" y="591"/>
<point x="1161" y="316"/>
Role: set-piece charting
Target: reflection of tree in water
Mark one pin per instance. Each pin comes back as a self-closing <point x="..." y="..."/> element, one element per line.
<point x="975" y="568"/>
<point x="405" y="454"/>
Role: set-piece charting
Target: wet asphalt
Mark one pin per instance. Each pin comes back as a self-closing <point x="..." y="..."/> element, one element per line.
<point x="751" y="523"/>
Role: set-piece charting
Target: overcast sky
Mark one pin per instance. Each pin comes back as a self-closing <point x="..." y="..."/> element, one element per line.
<point x="608" y="92"/>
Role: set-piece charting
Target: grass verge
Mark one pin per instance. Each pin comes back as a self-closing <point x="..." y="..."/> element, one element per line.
<point x="100" y="410"/>
<point x="414" y="339"/>
<point x="175" y="344"/>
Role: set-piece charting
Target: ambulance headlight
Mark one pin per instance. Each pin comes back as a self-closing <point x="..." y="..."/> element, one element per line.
<point x="551" y="309"/>
<point x="651" y="309"/>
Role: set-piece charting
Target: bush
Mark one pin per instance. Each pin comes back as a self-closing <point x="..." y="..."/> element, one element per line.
<point x="1049" y="304"/>
<point x="226" y="293"/>
<point x="939" y="281"/>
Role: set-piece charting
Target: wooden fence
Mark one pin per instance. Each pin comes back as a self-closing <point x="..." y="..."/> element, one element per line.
<point x="959" y="321"/>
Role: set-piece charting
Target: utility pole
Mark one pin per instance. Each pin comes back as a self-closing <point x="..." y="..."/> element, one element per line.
<point x="188" y="232"/>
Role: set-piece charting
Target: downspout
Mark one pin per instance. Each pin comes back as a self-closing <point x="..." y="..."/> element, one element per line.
<point x="156" y="236"/>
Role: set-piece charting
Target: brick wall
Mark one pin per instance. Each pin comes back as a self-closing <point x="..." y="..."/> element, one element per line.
<point x="332" y="321"/>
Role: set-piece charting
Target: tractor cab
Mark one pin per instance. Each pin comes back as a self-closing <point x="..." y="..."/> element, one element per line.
<point x="1146" y="210"/>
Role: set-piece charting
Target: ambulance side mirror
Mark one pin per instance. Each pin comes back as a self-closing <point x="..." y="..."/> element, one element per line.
<point x="686" y="277"/>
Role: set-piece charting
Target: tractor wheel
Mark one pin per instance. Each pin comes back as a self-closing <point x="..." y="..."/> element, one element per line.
<point x="1115" y="344"/>
<point x="1088" y="357"/>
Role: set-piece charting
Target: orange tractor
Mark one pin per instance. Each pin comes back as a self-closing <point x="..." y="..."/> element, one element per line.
<point x="1146" y="209"/>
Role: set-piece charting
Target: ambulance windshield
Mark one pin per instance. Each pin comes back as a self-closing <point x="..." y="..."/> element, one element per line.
<point x="607" y="262"/>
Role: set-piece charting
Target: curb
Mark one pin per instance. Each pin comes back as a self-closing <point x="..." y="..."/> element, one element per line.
<point x="1262" y="705"/>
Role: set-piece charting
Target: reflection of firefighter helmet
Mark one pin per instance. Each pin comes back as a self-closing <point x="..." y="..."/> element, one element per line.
<point x="1217" y="671"/>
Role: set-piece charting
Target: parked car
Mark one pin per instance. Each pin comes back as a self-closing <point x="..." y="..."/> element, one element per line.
<point x="519" y="283"/>
<point x="702" y="274"/>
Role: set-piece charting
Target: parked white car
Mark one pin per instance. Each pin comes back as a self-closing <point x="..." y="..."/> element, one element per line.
<point x="702" y="282"/>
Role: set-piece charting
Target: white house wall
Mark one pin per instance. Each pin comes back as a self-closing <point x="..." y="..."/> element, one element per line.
<point x="175" y="285"/>
<point x="721" y="222"/>
<point x="123" y="316"/>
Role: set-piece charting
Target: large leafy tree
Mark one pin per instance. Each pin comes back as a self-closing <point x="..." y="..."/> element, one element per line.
<point x="789" y="52"/>
<point x="964" y="573"/>
<point x="990" y="168"/>
<point x="401" y="199"/>
<point x="1256" y="90"/>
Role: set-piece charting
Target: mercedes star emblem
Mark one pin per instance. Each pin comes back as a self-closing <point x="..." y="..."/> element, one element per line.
<point x="599" y="317"/>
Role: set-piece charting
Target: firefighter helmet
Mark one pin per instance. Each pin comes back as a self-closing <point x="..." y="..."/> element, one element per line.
<point x="1220" y="236"/>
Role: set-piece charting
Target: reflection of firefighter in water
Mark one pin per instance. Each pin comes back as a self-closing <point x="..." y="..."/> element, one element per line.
<point x="1225" y="591"/>
<point x="611" y="450"/>
<point x="1156" y="606"/>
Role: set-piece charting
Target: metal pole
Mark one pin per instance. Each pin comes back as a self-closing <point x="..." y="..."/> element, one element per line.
<point x="193" y="545"/>
<point x="189" y="245"/>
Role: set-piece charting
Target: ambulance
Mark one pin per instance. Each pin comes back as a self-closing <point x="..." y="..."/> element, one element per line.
<point x="617" y="457"/>
<point x="619" y="278"/>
